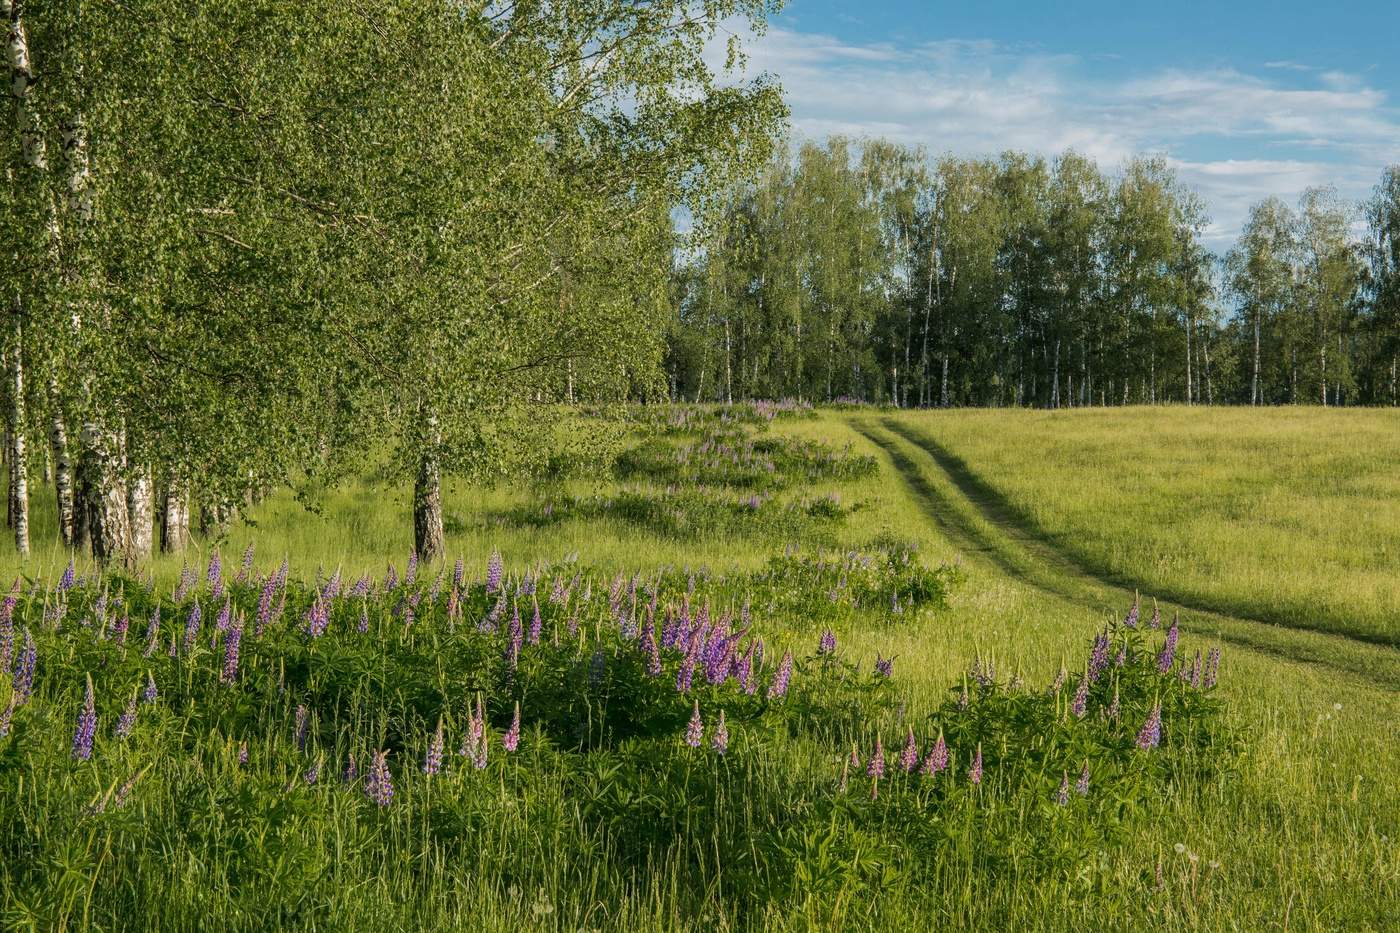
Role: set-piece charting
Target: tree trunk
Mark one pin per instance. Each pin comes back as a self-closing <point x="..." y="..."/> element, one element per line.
<point x="19" y="466"/>
<point x="109" y="525"/>
<point x="1254" y="391"/>
<point x="427" y="498"/>
<point x="175" y="518"/>
<point x="140" y="507"/>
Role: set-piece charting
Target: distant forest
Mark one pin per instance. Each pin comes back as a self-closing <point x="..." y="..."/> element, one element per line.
<point x="865" y="271"/>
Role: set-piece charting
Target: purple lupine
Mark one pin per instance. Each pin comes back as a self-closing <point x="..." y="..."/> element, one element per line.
<point x="153" y="632"/>
<point x="1059" y="680"/>
<point x="536" y="625"/>
<point x="651" y="650"/>
<point x="127" y="721"/>
<point x="313" y="772"/>
<point x="459" y="570"/>
<point x="827" y="645"/>
<point x="23" y="676"/>
<point x="150" y="693"/>
<point x="516" y="639"/>
<point x="352" y="770"/>
<point x="1098" y="655"/>
<point x="432" y="761"/>
<point x="974" y="774"/>
<point x="192" y="626"/>
<point x="361" y="588"/>
<point x="246" y="569"/>
<point x="391" y="579"/>
<point x="779" y="687"/>
<point x="1156" y="620"/>
<point x="303" y="726"/>
<point x="884" y="667"/>
<point x="909" y="758"/>
<point x="411" y="573"/>
<point x="231" y="643"/>
<point x="854" y="759"/>
<point x="1151" y="732"/>
<point x="1079" y="706"/>
<point x="494" y="568"/>
<point x="558" y="593"/>
<point x="216" y="570"/>
<point x="243" y="752"/>
<point x="1167" y="658"/>
<point x="720" y="740"/>
<point x="379" y="785"/>
<point x="1062" y="797"/>
<point x="1081" y="786"/>
<point x="264" y="618"/>
<point x="86" y="726"/>
<point x="119" y="628"/>
<point x="695" y="729"/>
<point x="318" y="618"/>
<point x="6" y="716"/>
<point x="225" y="614"/>
<point x="65" y="582"/>
<point x="876" y="767"/>
<point x="1115" y="708"/>
<point x="1212" y="669"/>
<point x="511" y="740"/>
<point x="1131" y="619"/>
<point x="937" y="758"/>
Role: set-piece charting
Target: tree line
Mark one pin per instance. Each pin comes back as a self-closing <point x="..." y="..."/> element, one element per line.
<point x="273" y="240"/>
<point x="867" y="271"/>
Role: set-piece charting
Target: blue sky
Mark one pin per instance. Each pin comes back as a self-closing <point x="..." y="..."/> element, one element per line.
<point x="1245" y="98"/>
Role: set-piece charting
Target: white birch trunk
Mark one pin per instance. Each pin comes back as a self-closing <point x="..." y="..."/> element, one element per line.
<point x="140" y="508"/>
<point x="175" y="518"/>
<point x="19" y="465"/>
<point x="62" y="468"/>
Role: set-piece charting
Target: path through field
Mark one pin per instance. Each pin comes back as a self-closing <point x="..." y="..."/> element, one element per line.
<point x="977" y="520"/>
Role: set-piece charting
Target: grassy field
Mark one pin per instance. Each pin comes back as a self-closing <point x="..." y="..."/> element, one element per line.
<point x="1271" y="805"/>
<point x="1284" y="515"/>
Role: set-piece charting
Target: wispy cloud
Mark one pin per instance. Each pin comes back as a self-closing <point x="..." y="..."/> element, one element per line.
<point x="1234" y="136"/>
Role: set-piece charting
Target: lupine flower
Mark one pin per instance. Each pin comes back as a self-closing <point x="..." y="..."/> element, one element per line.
<point x="243" y="752"/>
<point x="1151" y="732"/>
<point x="65" y="583"/>
<point x="432" y="761"/>
<point x="313" y="772"/>
<point x="651" y="650"/>
<point x="86" y="726"/>
<point x="6" y="716"/>
<point x="379" y="786"/>
<point x="192" y="626"/>
<point x="269" y="589"/>
<point x="127" y="721"/>
<point x="779" y="687"/>
<point x="1081" y="698"/>
<point x="974" y="774"/>
<point x="876" y="767"/>
<point x="1081" y="786"/>
<point x="1212" y="669"/>
<point x="884" y="667"/>
<point x="720" y="740"/>
<point x="1114" y="708"/>
<point x="1059" y="680"/>
<point x="964" y="701"/>
<point x="517" y="637"/>
<point x="1098" y="656"/>
<point x="225" y="614"/>
<point x="937" y="758"/>
<point x="152" y="632"/>
<point x="1168" y="655"/>
<point x="411" y="574"/>
<point x="909" y="758"/>
<point x="318" y="618"/>
<point x="827" y="645"/>
<point x="1156" y="620"/>
<point x="23" y="677"/>
<point x="1131" y="619"/>
<point x="351" y="772"/>
<point x="363" y="625"/>
<point x="216" y="569"/>
<point x="494" y="568"/>
<point x="459" y="570"/>
<point x="119" y="629"/>
<point x="536" y="625"/>
<point x="231" y="643"/>
<point x="150" y="693"/>
<point x="695" y="729"/>
<point x="303" y="725"/>
<point x="391" y="579"/>
<point x="246" y="568"/>
<point x="854" y="759"/>
<point x="1062" y="798"/>
<point x="511" y="740"/>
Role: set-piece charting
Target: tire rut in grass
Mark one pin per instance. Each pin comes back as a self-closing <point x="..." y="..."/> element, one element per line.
<point x="987" y="528"/>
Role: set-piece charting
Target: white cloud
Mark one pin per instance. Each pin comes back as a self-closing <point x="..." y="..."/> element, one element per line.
<point x="982" y="97"/>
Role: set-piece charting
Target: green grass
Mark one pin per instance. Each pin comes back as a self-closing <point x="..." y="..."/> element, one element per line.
<point x="1285" y="515"/>
<point x="1297" y="831"/>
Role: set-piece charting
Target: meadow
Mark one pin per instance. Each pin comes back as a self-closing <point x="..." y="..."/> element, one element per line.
<point x="781" y="669"/>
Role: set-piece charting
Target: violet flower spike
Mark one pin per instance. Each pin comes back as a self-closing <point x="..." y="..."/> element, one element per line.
<point x="1081" y="786"/>
<point x="1151" y="732"/>
<point x="779" y="687"/>
<point x="695" y="729"/>
<point x="974" y="774"/>
<point x="1062" y="798"/>
<point x="720" y="740"/>
<point x="86" y="726"/>
<point x="150" y="693"/>
<point x="937" y="758"/>
<point x="127" y="721"/>
<point x="876" y="767"/>
<point x="1080" y="704"/>
<point x="432" y="761"/>
<point x="909" y="758"/>
<point x="511" y="740"/>
<point x="379" y="785"/>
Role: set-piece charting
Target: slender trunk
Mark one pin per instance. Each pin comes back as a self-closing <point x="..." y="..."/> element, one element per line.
<point x="943" y="389"/>
<point x="1254" y="391"/>
<point x="175" y="518"/>
<point x="1188" y="359"/>
<point x="427" y="497"/>
<point x="1322" y="352"/>
<point x="1055" y="387"/>
<point x="728" y="370"/>
<point x="140" y="508"/>
<point x="1205" y="353"/>
<point x="109" y="524"/>
<point x="19" y="466"/>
